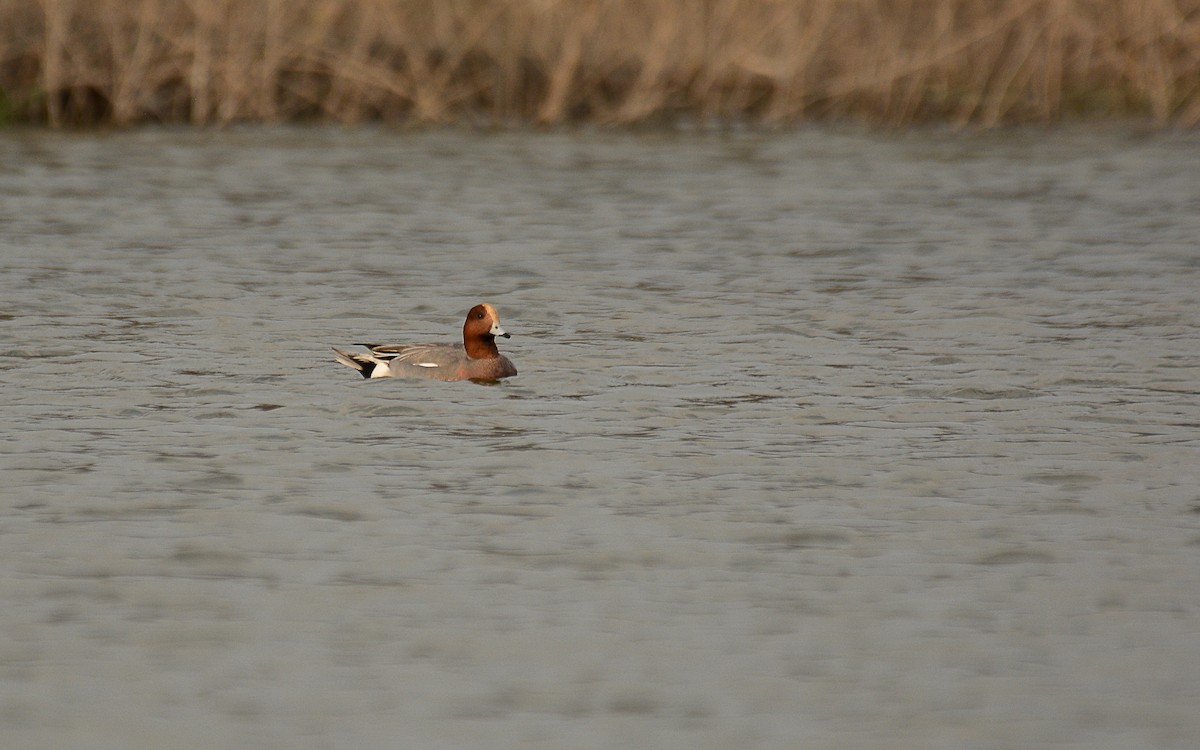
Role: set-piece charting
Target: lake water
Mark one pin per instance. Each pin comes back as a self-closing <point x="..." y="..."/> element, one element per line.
<point x="824" y="439"/>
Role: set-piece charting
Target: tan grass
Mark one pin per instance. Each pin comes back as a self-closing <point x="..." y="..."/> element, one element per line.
<point x="980" y="62"/>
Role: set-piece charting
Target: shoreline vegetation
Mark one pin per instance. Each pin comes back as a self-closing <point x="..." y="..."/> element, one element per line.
<point x="976" y="63"/>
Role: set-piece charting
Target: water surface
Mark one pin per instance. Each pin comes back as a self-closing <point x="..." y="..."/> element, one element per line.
<point x="823" y="440"/>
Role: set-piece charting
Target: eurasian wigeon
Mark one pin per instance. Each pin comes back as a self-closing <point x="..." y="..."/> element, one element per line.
<point x="477" y="358"/>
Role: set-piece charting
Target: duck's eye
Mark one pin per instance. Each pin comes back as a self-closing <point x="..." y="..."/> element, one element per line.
<point x="479" y="316"/>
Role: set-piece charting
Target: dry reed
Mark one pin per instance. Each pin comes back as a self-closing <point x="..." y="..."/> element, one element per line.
<point x="978" y="62"/>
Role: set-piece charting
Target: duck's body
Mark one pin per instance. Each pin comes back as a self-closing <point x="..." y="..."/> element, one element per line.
<point x="477" y="358"/>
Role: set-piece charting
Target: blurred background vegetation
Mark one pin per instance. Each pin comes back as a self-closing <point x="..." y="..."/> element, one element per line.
<point x="503" y="62"/>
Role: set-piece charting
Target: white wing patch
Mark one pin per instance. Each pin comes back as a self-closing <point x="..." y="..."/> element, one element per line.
<point x="425" y="364"/>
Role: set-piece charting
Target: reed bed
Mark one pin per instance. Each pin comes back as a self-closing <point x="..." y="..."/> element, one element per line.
<point x="967" y="62"/>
